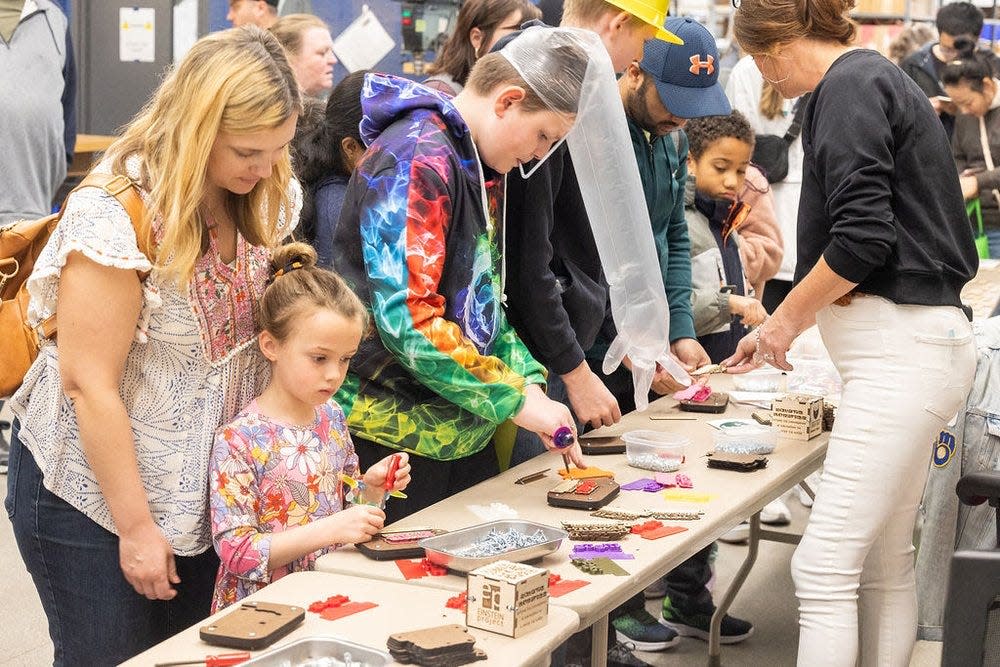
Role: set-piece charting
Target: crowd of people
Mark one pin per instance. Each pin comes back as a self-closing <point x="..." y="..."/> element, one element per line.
<point x="367" y="280"/>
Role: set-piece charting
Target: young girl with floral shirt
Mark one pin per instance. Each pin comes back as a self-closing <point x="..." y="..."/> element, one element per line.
<point x="276" y="496"/>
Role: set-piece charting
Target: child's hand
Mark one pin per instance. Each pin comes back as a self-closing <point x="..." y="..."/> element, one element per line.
<point x="375" y="477"/>
<point x="357" y="523"/>
<point x="750" y="310"/>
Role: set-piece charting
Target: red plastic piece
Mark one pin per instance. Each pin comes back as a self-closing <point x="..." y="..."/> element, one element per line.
<point x="585" y="487"/>
<point x="559" y="586"/>
<point x="333" y="601"/>
<point x="662" y="531"/>
<point x="390" y="476"/>
<point x="345" y="609"/>
<point x="460" y="601"/>
<point x="433" y="569"/>
<point x="641" y="528"/>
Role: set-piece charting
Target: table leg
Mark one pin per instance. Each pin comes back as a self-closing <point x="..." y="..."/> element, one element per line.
<point x="599" y="642"/>
<point x="808" y="489"/>
<point x="715" y="627"/>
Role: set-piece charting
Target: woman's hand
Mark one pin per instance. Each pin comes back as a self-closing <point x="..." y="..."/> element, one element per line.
<point x="357" y="523"/>
<point x="377" y="475"/>
<point x="544" y="416"/>
<point x="970" y="187"/>
<point x="147" y="561"/>
<point x="768" y="343"/>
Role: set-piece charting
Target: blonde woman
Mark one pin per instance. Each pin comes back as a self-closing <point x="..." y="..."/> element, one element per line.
<point x="107" y="489"/>
<point x="309" y="48"/>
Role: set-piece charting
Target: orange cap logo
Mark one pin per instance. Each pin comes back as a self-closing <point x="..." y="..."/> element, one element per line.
<point x="697" y="64"/>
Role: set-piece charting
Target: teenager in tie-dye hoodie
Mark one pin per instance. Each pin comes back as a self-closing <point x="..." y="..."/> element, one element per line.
<point x="445" y="367"/>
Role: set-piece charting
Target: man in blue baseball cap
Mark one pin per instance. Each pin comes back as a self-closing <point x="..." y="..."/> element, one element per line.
<point x="671" y="84"/>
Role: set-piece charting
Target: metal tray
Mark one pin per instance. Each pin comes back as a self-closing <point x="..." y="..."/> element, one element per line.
<point x="327" y="651"/>
<point x="440" y="549"/>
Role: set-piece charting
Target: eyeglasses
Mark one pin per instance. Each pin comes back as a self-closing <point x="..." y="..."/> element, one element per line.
<point x="736" y="3"/>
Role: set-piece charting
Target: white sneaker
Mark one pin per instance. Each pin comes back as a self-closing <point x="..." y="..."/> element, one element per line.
<point x="776" y="513"/>
<point x="738" y="535"/>
<point x="813" y="481"/>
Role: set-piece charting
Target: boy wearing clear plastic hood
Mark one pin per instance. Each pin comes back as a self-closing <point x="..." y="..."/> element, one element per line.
<point x="419" y="240"/>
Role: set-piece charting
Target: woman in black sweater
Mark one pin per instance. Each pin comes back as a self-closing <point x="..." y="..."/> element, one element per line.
<point x="884" y="249"/>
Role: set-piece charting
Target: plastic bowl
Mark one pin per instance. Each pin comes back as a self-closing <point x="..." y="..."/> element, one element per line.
<point x="761" y="379"/>
<point x="748" y="439"/>
<point x="655" y="450"/>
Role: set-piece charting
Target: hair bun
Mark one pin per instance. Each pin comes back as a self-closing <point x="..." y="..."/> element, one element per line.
<point x="291" y="253"/>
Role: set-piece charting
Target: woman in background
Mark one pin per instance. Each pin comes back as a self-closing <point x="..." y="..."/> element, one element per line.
<point x="309" y="46"/>
<point x="480" y="25"/>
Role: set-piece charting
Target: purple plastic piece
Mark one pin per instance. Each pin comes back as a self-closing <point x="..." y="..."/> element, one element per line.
<point x="563" y="437"/>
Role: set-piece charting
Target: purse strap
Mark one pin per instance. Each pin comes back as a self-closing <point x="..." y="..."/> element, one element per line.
<point x="984" y="141"/>
<point x="796" y="127"/>
<point x="126" y="192"/>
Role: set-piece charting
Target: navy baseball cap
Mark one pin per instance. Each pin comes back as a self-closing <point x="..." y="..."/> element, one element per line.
<point x="686" y="75"/>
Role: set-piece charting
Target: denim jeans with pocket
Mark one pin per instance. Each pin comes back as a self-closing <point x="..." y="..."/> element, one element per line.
<point x="906" y="371"/>
<point x="971" y="445"/>
<point x="95" y="616"/>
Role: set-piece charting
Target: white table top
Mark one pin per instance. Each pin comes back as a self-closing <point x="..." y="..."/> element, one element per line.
<point x="734" y="496"/>
<point x="400" y="608"/>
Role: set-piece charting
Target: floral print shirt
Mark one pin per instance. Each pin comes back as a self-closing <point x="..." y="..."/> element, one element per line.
<point x="266" y="477"/>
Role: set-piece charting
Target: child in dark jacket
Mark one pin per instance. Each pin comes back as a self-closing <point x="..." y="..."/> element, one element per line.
<point x="718" y="156"/>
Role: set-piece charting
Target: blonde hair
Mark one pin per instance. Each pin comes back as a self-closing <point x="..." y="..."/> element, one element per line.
<point x="236" y="81"/>
<point x="588" y="12"/>
<point x="772" y="102"/>
<point x="297" y="283"/>
<point x="763" y="26"/>
<point x="290" y="28"/>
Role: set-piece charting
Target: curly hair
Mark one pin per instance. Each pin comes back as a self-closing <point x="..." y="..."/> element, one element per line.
<point x="703" y="132"/>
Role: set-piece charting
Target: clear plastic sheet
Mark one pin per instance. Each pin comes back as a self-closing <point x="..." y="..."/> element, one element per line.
<point x="612" y="192"/>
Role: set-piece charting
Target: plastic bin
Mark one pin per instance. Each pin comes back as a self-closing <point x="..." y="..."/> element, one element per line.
<point x="655" y="450"/>
<point x="747" y="439"/>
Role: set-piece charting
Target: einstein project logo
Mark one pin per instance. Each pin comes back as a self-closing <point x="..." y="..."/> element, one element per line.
<point x="944" y="449"/>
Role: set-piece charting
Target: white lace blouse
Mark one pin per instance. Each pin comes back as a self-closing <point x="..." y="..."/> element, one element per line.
<point x="193" y="364"/>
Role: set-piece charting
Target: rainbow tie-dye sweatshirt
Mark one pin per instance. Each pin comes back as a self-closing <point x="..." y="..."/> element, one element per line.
<point x="443" y="367"/>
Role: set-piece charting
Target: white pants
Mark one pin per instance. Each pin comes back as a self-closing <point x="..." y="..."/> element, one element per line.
<point x="906" y="371"/>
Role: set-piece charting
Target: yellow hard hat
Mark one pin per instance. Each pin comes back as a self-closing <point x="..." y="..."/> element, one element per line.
<point x="653" y="12"/>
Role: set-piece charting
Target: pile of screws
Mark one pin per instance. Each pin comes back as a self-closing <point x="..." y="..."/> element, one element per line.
<point x="501" y="541"/>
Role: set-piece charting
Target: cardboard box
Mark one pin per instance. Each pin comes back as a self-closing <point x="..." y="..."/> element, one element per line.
<point x="798" y="416"/>
<point x="508" y="598"/>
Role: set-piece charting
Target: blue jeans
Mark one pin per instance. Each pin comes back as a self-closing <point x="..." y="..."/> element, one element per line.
<point x="993" y="237"/>
<point x="971" y="445"/>
<point x="95" y="616"/>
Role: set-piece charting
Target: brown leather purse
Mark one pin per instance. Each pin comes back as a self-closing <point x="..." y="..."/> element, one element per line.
<point x="20" y="245"/>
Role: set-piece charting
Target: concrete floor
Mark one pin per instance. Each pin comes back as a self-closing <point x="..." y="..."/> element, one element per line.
<point x="767" y="600"/>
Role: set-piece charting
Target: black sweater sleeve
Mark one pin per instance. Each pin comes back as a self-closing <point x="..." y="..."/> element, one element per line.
<point x="855" y="169"/>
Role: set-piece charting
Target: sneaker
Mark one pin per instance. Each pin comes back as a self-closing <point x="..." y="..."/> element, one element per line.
<point x="641" y="629"/>
<point x="776" y="513"/>
<point x="738" y="535"/>
<point x="656" y="590"/>
<point x="733" y="630"/>
<point x="621" y="655"/>
<point x="813" y="481"/>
